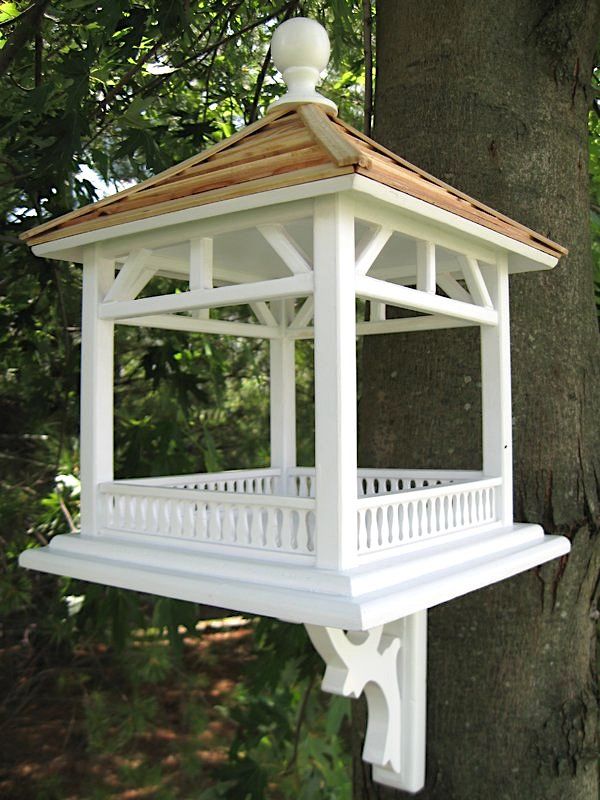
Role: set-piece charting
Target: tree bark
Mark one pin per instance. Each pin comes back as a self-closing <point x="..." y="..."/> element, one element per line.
<point x="492" y="97"/>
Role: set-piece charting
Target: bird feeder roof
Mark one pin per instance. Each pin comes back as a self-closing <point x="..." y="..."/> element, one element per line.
<point x="293" y="144"/>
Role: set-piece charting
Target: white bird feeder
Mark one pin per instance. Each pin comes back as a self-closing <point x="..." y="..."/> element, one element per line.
<point x="297" y="216"/>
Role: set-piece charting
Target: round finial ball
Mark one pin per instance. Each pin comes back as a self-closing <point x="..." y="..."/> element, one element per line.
<point x="300" y="42"/>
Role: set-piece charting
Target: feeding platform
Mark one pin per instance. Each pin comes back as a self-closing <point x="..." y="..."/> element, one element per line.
<point x="297" y="217"/>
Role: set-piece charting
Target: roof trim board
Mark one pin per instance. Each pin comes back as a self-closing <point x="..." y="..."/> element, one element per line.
<point x="289" y="147"/>
<point x="447" y="228"/>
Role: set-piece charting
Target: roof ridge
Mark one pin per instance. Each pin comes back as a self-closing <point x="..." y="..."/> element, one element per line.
<point x="320" y="126"/>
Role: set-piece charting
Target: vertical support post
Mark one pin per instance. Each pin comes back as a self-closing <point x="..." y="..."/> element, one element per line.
<point x="377" y="311"/>
<point x="412" y="680"/>
<point x="495" y="387"/>
<point x="97" y="347"/>
<point x="282" y="357"/>
<point x="335" y="382"/>
<point x="426" y="267"/>
<point x="201" y="269"/>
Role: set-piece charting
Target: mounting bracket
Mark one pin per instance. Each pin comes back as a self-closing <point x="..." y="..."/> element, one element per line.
<point x="389" y="664"/>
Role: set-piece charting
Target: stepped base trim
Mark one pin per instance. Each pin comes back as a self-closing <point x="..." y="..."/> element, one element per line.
<point x="358" y="599"/>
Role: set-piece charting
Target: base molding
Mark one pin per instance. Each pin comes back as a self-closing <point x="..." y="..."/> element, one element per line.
<point x="371" y="594"/>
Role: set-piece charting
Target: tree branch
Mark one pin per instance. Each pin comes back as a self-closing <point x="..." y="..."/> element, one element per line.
<point x="26" y="30"/>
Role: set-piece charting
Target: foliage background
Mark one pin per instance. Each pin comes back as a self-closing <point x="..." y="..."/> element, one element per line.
<point x="94" y="96"/>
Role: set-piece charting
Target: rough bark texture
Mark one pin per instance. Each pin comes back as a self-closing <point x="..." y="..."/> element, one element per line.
<point x="493" y="98"/>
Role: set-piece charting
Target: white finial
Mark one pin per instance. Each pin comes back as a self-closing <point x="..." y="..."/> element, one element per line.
<point x="300" y="50"/>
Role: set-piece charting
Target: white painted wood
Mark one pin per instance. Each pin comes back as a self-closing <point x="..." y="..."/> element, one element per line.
<point x="295" y="286"/>
<point x="133" y="276"/>
<point x="177" y="322"/>
<point x="201" y="269"/>
<point x="300" y="50"/>
<point x="335" y="382"/>
<point x="96" y="457"/>
<point x="427" y="322"/>
<point x="454" y="232"/>
<point x="390" y="213"/>
<point x="377" y="312"/>
<point x="263" y="314"/>
<point x="203" y="477"/>
<point x="304" y="314"/>
<point x="370" y="247"/>
<point x="239" y="213"/>
<point x="426" y="267"/>
<point x="411" y="675"/>
<point x="282" y="361"/>
<point x="390" y="666"/>
<point x="453" y="289"/>
<point x="372" y="595"/>
<point x="479" y="235"/>
<point x="474" y="280"/>
<point x="402" y="296"/>
<point x="286" y="248"/>
<point x="496" y="388"/>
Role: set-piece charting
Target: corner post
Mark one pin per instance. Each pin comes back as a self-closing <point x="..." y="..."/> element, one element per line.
<point x="282" y="368"/>
<point x="496" y="388"/>
<point x="335" y="382"/>
<point x="97" y="354"/>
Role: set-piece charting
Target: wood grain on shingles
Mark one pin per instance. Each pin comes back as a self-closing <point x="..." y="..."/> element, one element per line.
<point x="293" y="178"/>
<point x="167" y="173"/>
<point x="288" y="147"/>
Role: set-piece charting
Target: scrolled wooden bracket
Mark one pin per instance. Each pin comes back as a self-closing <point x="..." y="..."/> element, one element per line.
<point x="388" y="663"/>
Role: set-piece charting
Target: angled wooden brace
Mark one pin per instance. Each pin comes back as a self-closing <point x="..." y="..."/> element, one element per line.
<point x="475" y="282"/>
<point x="286" y="248"/>
<point x="132" y="277"/>
<point x="452" y="287"/>
<point x="370" y="247"/>
<point x="388" y="663"/>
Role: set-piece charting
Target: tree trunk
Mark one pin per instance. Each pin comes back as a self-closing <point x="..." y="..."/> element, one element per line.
<point x="492" y="97"/>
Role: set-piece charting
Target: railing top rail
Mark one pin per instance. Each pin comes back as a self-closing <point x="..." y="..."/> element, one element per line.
<point x="300" y="471"/>
<point x="232" y="474"/>
<point x="380" y="500"/>
<point x="220" y="498"/>
<point x="420" y="474"/>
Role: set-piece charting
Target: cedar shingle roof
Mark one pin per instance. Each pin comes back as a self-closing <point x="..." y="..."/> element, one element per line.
<point x="289" y="146"/>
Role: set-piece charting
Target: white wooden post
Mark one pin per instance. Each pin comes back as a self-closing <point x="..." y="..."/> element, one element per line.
<point x="201" y="269"/>
<point x="426" y="267"/>
<point x="496" y="393"/>
<point x="97" y="344"/>
<point x="283" y="399"/>
<point x="335" y="382"/>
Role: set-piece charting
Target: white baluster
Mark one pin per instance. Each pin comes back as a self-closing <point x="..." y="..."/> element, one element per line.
<point x="256" y="531"/>
<point x="361" y="531"/>
<point x="302" y="536"/>
<point x="272" y="536"/>
<point x="214" y="527"/>
<point x="286" y="531"/>
<point x="393" y="523"/>
<point x="242" y="528"/>
<point x="228" y="524"/>
<point x="311" y="528"/>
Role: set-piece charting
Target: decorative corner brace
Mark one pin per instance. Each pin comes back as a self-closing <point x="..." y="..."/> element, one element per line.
<point x="388" y="664"/>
